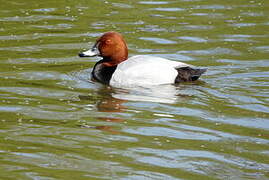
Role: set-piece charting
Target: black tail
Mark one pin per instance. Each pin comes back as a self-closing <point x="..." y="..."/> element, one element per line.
<point x="188" y="74"/>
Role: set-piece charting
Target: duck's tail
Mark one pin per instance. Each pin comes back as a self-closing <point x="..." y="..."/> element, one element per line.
<point x="188" y="74"/>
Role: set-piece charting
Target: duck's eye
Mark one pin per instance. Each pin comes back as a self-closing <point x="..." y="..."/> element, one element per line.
<point x="108" y="41"/>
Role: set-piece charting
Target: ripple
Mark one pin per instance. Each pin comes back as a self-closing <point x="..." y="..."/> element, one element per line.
<point x="149" y="175"/>
<point x="10" y="108"/>
<point x="261" y="48"/>
<point x="243" y="24"/>
<point x="153" y="2"/>
<point x="36" y="92"/>
<point x="198" y="27"/>
<point x="176" y="57"/>
<point x="238" y="38"/>
<point x="41" y="47"/>
<point x="214" y="51"/>
<point x="253" y="14"/>
<point x="178" y="154"/>
<point x="214" y="6"/>
<point x="36" y="75"/>
<point x="122" y="5"/>
<point x="245" y="63"/>
<point x="36" y="18"/>
<point x="151" y="28"/>
<point x="40" y="60"/>
<point x="182" y="159"/>
<point x="45" y="10"/>
<point x="158" y="40"/>
<point x="212" y="15"/>
<point x="57" y="26"/>
<point x="168" y="9"/>
<point x="193" y="39"/>
<point x="45" y="35"/>
<point x="255" y="107"/>
<point x="167" y="132"/>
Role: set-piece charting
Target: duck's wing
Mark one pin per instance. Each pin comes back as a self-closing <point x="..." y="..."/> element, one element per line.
<point x="145" y="70"/>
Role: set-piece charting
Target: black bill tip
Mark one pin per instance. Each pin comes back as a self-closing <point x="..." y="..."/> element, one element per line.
<point x="81" y="55"/>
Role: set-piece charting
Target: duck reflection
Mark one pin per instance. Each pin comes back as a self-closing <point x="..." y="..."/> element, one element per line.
<point x="105" y="102"/>
<point x="102" y="128"/>
<point x="108" y="99"/>
<point x="159" y="94"/>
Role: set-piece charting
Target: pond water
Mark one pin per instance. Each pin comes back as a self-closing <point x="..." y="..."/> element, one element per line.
<point x="55" y="123"/>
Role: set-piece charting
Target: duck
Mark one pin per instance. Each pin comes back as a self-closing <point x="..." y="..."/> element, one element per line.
<point x="117" y="70"/>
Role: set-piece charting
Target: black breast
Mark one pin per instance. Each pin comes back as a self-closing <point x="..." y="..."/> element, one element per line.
<point x="102" y="73"/>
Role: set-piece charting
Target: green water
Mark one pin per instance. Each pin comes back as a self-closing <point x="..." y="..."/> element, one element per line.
<point x="57" y="124"/>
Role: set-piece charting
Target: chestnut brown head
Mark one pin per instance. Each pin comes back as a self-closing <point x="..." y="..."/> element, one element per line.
<point x="111" y="46"/>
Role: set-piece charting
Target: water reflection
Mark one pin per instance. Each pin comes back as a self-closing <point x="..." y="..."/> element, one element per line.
<point x="160" y="94"/>
<point x="106" y="103"/>
<point x="113" y="100"/>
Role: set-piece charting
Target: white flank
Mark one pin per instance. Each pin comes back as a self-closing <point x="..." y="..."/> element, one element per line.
<point x="144" y="70"/>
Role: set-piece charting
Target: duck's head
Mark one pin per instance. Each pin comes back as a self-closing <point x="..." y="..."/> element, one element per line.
<point x="111" y="46"/>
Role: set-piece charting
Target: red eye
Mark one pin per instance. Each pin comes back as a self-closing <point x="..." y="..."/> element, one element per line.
<point x="108" y="41"/>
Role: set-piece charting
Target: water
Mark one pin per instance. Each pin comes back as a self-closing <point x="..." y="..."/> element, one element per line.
<point x="57" y="124"/>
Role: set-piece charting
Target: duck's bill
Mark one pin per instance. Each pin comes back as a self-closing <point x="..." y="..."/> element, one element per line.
<point x="90" y="53"/>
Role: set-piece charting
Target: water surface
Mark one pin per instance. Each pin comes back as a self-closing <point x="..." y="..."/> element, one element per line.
<point x="58" y="124"/>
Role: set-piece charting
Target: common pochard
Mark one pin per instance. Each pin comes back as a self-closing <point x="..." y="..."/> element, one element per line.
<point x="117" y="70"/>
